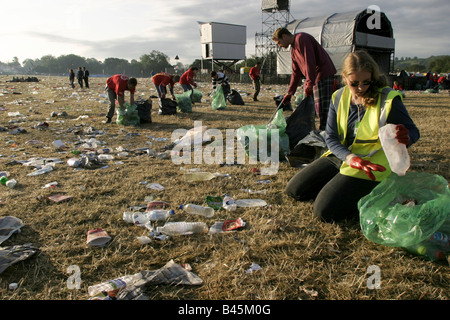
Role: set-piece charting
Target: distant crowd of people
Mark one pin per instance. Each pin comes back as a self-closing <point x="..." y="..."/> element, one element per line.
<point x="435" y="81"/>
<point x="22" y="79"/>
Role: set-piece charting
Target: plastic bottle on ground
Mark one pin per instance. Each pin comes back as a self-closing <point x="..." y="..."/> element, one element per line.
<point x="198" y="176"/>
<point x="228" y="203"/>
<point x="251" y="203"/>
<point x="183" y="228"/>
<point x="113" y="285"/>
<point x="104" y="156"/>
<point x="199" y="210"/>
<point x="159" y="214"/>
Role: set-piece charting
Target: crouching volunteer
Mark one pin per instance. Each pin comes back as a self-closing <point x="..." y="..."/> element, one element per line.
<point x="115" y="88"/>
<point x="161" y="81"/>
<point x="355" y="162"/>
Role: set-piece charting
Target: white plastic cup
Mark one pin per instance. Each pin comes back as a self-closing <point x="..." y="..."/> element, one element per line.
<point x="11" y="183"/>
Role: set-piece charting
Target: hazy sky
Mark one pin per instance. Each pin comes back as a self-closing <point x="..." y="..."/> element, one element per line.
<point x="130" y="28"/>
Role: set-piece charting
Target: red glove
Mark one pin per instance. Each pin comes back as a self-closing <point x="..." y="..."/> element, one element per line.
<point x="402" y="135"/>
<point x="309" y="91"/>
<point x="366" y="166"/>
<point x="286" y="99"/>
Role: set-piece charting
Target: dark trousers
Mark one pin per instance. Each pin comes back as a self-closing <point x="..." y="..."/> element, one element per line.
<point x="80" y="82"/>
<point x="257" y="87"/>
<point x="86" y="82"/>
<point x="335" y="196"/>
<point x="112" y="96"/>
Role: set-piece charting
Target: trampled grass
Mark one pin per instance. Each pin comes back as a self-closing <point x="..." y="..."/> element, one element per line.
<point x="300" y="257"/>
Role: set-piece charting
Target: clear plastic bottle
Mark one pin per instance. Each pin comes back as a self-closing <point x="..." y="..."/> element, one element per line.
<point x="228" y="203"/>
<point x="198" y="176"/>
<point x="190" y="208"/>
<point x="159" y="214"/>
<point x="104" y="156"/>
<point x="113" y="285"/>
<point x="396" y="152"/>
<point x="183" y="228"/>
<point x="251" y="203"/>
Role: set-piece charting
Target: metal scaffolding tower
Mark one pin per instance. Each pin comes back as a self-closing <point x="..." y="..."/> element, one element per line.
<point x="275" y="14"/>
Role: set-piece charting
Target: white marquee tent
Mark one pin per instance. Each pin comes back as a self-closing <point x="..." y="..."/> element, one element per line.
<point x="342" y="33"/>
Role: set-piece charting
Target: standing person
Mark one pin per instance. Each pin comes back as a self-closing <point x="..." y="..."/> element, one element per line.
<point x="255" y="73"/>
<point x="72" y="78"/>
<point x="311" y="60"/>
<point x="355" y="162"/>
<point x="429" y="83"/>
<point x="86" y="77"/>
<point x="115" y="88"/>
<point x="80" y="77"/>
<point x="222" y="79"/>
<point x="162" y="80"/>
<point x="187" y="80"/>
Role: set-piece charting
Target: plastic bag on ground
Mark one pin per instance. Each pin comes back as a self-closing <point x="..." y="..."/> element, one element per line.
<point x="144" y="108"/>
<point x="184" y="103"/>
<point x="308" y="149"/>
<point x="197" y="96"/>
<point x="219" y="101"/>
<point x="403" y="211"/>
<point x="301" y="122"/>
<point x="129" y="116"/>
<point x="167" y="107"/>
<point x="235" y="98"/>
<point x="249" y="135"/>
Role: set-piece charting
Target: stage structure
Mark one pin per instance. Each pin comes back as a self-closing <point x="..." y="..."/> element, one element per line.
<point x="223" y="43"/>
<point x="342" y="33"/>
<point x="275" y="14"/>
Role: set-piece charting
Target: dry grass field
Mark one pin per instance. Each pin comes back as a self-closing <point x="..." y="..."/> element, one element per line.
<point x="300" y="257"/>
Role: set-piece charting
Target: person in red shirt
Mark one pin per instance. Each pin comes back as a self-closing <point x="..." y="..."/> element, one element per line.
<point x="115" y="88"/>
<point x="255" y="73"/>
<point x="309" y="59"/>
<point x="162" y="80"/>
<point x="187" y="80"/>
<point x="397" y="86"/>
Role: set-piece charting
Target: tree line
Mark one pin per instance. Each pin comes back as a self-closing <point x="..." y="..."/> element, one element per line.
<point x="438" y="64"/>
<point x="155" y="61"/>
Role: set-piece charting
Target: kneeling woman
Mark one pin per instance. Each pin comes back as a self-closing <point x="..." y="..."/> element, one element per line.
<point x="355" y="162"/>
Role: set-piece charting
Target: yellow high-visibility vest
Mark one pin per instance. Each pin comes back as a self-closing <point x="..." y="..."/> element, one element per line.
<point x="367" y="144"/>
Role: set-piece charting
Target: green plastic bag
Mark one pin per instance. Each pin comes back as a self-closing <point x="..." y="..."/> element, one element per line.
<point x="249" y="138"/>
<point x="197" y="96"/>
<point x="129" y="116"/>
<point x="403" y="211"/>
<point x="184" y="103"/>
<point x="219" y="101"/>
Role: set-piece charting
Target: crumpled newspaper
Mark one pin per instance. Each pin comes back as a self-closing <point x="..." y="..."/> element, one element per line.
<point x="172" y="274"/>
<point x="14" y="254"/>
<point x="9" y="225"/>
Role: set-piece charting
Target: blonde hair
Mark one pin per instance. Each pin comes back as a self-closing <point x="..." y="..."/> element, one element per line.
<point x="362" y="61"/>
